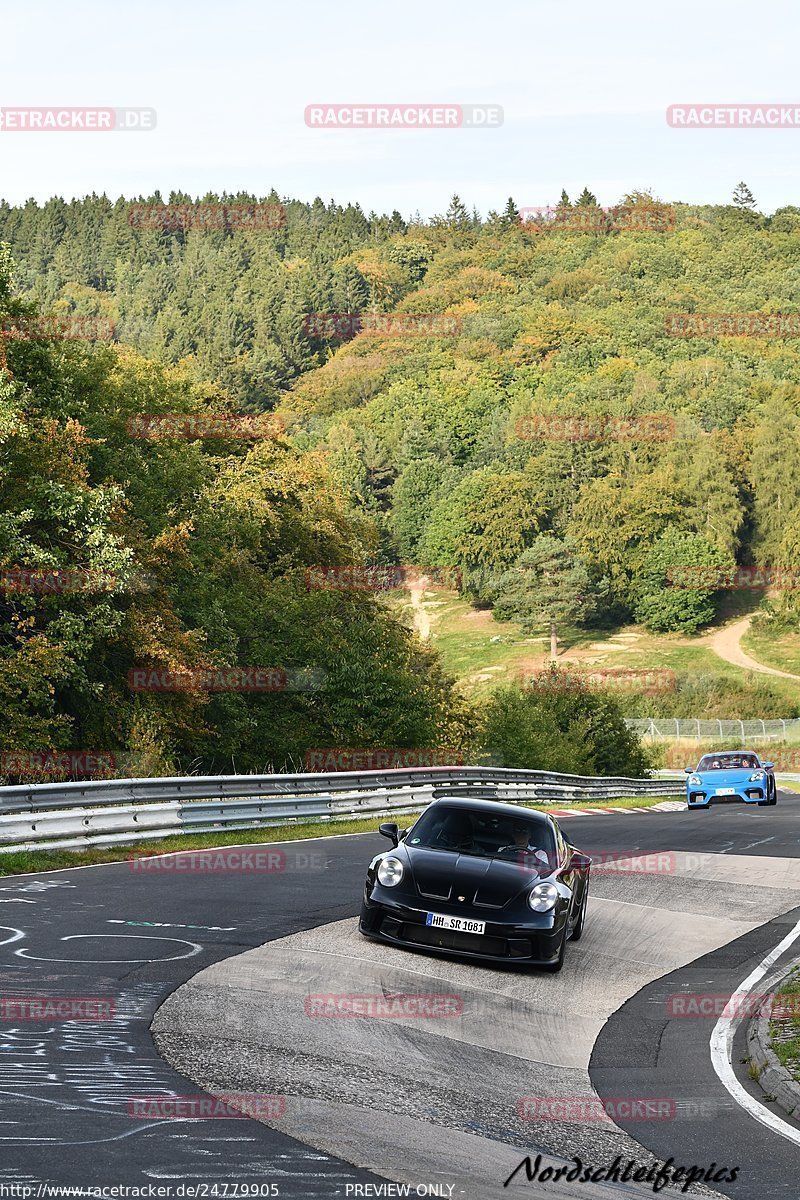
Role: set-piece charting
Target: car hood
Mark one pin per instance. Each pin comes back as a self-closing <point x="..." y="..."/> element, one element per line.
<point x="727" y="778"/>
<point x="483" y="882"/>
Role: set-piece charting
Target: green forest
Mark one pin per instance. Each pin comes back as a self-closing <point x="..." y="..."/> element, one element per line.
<point x="555" y="447"/>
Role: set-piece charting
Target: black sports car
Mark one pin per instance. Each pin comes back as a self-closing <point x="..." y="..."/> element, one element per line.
<point x="479" y="879"/>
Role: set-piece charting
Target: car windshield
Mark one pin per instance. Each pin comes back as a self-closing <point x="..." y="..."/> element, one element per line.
<point x="728" y="762"/>
<point x="483" y="834"/>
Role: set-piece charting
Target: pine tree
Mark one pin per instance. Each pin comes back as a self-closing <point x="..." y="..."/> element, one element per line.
<point x="379" y="470"/>
<point x="565" y="201"/>
<point x="549" y="585"/>
<point x="510" y="213"/>
<point x="350" y="291"/>
<point x="743" y="198"/>
<point x="586" y="199"/>
<point x="457" y="216"/>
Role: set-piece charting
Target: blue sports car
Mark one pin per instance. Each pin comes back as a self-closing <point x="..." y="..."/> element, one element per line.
<point x="728" y="777"/>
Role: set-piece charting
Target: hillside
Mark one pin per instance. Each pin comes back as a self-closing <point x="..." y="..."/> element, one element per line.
<point x="565" y="432"/>
<point x="529" y="423"/>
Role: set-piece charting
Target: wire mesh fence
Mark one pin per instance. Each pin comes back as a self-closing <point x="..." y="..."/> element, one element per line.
<point x="695" y="728"/>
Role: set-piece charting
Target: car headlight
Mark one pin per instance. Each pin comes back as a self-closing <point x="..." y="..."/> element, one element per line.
<point x="756" y="777"/>
<point x="695" y="781"/>
<point x="390" y="872"/>
<point x="543" y="897"/>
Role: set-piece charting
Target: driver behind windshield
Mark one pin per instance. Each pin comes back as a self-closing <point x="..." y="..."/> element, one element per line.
<point x="483" y="835"/>
<point x="728" y="762"/>
<point x="523" y="843"/>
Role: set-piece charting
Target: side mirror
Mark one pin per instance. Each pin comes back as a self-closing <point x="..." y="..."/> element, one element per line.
<point x="579" y="861"/>
<point x="688" y="770"/>
<point x="769" y="766"/>
<point x="389" y="830"/>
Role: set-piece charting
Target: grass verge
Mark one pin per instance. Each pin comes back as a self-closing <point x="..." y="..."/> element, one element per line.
<point x="19" y="862"/>
<point x="780" y="650"/>
<point x="482" y="653"/>
<point x="785" y="1031"/>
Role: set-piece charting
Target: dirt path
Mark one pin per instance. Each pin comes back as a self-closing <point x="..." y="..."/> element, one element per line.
<point x="422" y="622"/>
<point x="725" y="643"/>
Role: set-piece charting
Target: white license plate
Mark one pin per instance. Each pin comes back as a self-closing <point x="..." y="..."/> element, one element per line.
<point x="726" y="791"/>
<point x="462" y="924"/>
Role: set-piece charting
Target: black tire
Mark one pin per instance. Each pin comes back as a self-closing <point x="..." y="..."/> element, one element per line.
<point x="553" y="967"/>
<point x="774" y="796"/>
<point x="577" y="932"/>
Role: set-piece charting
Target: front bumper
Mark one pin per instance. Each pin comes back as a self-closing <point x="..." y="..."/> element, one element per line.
<point x="403" y="924"/>
<point x="750" y="793"/>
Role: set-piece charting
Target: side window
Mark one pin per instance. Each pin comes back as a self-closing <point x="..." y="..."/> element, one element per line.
<point x="561" y="848"/>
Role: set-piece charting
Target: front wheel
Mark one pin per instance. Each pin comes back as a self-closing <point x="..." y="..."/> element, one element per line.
<point x="578" y="928"/>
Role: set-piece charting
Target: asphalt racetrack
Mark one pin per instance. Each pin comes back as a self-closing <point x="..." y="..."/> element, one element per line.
<point x="222" y="964"/>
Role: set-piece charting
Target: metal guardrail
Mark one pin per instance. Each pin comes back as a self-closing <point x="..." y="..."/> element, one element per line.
<point x="106" y="812"/>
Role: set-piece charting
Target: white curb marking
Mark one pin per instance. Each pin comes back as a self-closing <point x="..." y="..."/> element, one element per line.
<point x="722" y="1040"/>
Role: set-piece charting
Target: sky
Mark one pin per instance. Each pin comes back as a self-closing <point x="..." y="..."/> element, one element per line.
<point x="584" y="87"/>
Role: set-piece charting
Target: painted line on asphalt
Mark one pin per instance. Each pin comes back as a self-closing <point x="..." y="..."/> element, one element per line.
<point x="722" y="1041"/>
